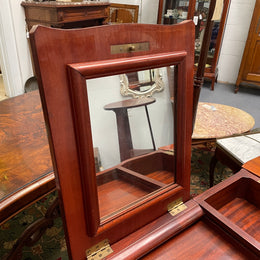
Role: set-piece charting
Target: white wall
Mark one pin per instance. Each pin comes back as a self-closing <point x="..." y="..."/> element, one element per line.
<point x="15" y="55"/>
<point x="106" y="90"/>
<point x="237" y="26"/>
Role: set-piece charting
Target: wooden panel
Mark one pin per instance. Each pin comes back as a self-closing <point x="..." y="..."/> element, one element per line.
<point x="203" y="240"/>
<point x="250" y="65"/>
<point x="224" y="205"/>
<point x="255" y="67"/>
<point x="248" y="218"/>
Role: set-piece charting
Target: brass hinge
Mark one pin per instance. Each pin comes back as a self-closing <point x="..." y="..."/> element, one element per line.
<point x="99" y="251"/>
<point x="176" y="207"/>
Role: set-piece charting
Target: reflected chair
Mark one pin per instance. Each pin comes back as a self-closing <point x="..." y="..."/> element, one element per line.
<point x="123" y="13"/>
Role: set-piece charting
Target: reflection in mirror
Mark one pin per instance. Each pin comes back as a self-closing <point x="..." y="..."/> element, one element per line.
<point x="202" y="10"/>
<point x="142" y="83"/>
<point x="137" y="176"/>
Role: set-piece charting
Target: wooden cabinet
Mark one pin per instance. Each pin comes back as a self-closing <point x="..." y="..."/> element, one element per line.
<point x="249" y="71"/>
<point x="65" y="15"/>
<point x="175" y="11"/>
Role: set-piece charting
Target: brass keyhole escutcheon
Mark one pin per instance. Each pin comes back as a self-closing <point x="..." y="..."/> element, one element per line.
<point x="131" y="48"/>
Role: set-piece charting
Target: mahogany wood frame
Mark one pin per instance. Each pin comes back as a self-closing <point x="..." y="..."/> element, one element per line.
<point x="242" y="184"/>
<point x="53" y="51"/>
<point x="78" y="74"/>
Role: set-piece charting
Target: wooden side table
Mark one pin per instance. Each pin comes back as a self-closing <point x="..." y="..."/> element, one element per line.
<point x="65" y="15"/>
<point x="123" y="128"/>
<point x="234" y="152"/>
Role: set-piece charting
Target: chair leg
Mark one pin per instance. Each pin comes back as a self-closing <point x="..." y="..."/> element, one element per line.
<point x="212" y="166"/>
<point x="212" y="84"/>
<point x="150" y="127"/>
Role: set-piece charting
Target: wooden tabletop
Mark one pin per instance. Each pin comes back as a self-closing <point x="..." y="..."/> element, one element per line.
<point x="253" y="166"/>
<point x="129" y="103"/>
<point x="217" y="121"/>
<point x="26" y="171"/>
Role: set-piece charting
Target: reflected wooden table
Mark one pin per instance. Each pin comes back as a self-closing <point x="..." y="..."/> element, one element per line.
<point x="26" y="171"/>
<point x="123" y="127"/>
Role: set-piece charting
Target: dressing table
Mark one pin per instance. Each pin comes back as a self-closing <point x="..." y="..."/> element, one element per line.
<point x="65" y="15"/>
<point x="161" y="220"/>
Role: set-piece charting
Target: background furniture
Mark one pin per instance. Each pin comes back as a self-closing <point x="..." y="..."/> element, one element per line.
<point x="198" y="10"/>
<point x="65" y="15"/>
<point x="235" y="151"/>
<point x="217" y="121"/>
<point x="249" y="71"/>
<point x="123" y="128"/>
<point x="122" y="13"/>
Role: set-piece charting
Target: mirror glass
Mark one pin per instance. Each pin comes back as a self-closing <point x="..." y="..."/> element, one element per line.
<point x="201" y="15"/>
<point x="127" y="135"/>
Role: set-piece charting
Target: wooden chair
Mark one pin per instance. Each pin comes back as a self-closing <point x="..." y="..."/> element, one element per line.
<point x="122" y="13"/>
<point x="64" y="59"/>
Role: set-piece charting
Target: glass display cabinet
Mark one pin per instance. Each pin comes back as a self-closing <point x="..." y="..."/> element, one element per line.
<point x="175" y="11"/>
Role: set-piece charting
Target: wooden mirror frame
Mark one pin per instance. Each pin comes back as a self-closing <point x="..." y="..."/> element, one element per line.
<point x="167" y="45"/>
<point x="78" y="74"/>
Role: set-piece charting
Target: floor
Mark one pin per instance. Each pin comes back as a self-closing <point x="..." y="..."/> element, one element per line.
<point x="247" y="99"/>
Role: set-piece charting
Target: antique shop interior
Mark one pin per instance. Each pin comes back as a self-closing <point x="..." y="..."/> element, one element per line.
<point x="129" y="129"/>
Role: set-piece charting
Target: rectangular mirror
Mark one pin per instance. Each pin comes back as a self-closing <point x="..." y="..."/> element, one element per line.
<point x="127" y="134"/>
<point x="129" y="168"/>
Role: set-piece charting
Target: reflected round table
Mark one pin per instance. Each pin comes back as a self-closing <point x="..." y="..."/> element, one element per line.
<point x="123" y="128"/>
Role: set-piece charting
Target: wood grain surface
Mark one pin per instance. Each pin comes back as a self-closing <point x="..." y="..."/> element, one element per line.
<point x="26" y="171"/>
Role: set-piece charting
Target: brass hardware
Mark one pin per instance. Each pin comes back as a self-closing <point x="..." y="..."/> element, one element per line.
<point x="99" y="251"/>
<point x="176" y="207"/>
<point x="130" y="47"/>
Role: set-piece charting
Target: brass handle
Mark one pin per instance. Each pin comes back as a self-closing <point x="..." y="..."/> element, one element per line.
<point x="131" y="48"/>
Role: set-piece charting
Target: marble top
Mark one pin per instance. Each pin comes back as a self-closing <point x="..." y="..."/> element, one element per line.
<point x="217" y="121"/>
<point x="243" y="148"/>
